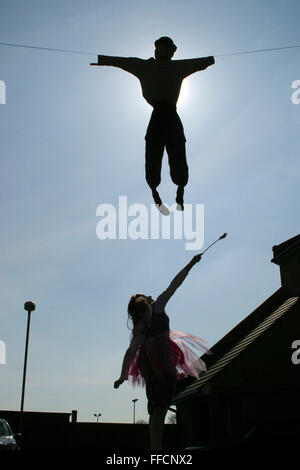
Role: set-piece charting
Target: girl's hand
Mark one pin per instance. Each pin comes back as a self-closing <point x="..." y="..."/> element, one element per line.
<point x="193" y="261"/>
<point x="118" y="383"/>
<point x="197" y="258"/>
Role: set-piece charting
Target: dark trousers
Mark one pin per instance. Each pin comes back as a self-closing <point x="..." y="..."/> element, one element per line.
<point x="159" y="389"/>
<point x="159" y="393"/>
<point x="165" y="130"/>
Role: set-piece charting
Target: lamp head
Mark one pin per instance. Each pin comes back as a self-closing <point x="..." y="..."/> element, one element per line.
<point x="29" y="306"/>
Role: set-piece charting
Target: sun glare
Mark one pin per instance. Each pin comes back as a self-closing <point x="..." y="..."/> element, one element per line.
<point x="184" y="94"/>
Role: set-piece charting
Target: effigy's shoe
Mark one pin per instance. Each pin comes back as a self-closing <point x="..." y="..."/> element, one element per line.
<point x="163" y="209"/>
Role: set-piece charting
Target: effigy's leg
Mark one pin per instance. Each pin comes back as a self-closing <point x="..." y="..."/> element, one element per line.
<point x="154" y="156"/>
<point x="178" y="168"/>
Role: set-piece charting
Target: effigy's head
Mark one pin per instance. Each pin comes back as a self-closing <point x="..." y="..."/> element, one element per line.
<point x="164" y="48"/>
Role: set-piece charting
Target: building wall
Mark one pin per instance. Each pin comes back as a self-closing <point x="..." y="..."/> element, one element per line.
<point x="260" y="387"/>
<point x="267" y="363"/>
<point x="53" y="431"/>
<point x="193" y="422"/>
<point x="116" y="436"/>
<point x="39" y="430"/>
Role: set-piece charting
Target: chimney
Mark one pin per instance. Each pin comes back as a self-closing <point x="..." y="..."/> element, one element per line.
<point x="74" y="416"/>
<point x="287" y="256"/>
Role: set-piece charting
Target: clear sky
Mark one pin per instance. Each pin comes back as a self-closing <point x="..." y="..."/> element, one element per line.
<point x="72" y="138"/>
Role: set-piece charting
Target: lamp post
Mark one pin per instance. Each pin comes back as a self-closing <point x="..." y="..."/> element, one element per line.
<point x="134" y="402"/>
<point x="29" y="307"/>
<point x="97" y="416"/>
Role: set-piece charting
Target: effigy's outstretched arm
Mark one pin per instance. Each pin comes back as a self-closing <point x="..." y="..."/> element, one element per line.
<point x="129" y="64"/>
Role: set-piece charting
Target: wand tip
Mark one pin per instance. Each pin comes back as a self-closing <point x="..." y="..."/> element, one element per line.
<point x="223" y="236"/>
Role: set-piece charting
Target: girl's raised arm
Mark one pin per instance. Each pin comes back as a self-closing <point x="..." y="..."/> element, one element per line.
<point x="163" y="298"/>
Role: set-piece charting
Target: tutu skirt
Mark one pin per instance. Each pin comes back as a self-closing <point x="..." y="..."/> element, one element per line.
<point x="168" y="357"/>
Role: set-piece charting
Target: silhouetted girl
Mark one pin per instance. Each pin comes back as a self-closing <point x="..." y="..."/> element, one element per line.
<point x="158" y="357"/>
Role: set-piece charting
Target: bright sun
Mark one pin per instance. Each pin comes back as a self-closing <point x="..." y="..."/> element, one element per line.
<point x="184" y="93"/>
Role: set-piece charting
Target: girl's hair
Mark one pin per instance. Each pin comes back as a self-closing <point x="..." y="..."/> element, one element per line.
<point x="136" y="308"/>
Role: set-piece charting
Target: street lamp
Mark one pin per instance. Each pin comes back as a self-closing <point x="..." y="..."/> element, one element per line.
<point x="134" y="402"/>
<point x="97" y="416"/>
<point x="29" y="307"/>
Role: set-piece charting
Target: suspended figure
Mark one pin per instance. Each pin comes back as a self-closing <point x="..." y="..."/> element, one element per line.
<point x="158" y="357"/>
<point x="161" y="79"/>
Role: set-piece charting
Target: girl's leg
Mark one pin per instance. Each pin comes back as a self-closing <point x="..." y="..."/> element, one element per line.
<point x="156" y="425"/>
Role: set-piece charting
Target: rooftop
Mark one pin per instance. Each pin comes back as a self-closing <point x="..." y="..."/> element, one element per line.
<point x="287" y="247"/>
<point x="240" y="337"/>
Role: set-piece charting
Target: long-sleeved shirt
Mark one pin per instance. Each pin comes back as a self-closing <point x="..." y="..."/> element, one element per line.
<point x="160" y="79"/>
<point x="157" y="307"/>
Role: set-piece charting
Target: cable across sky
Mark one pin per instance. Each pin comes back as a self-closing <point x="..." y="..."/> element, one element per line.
<point x="69" y="51"/>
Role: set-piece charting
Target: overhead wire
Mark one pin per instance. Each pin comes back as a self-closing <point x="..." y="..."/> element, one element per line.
<point x="257" y="51"/>
<point x="70" y="51"/>
<point x="46" y="48"/>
